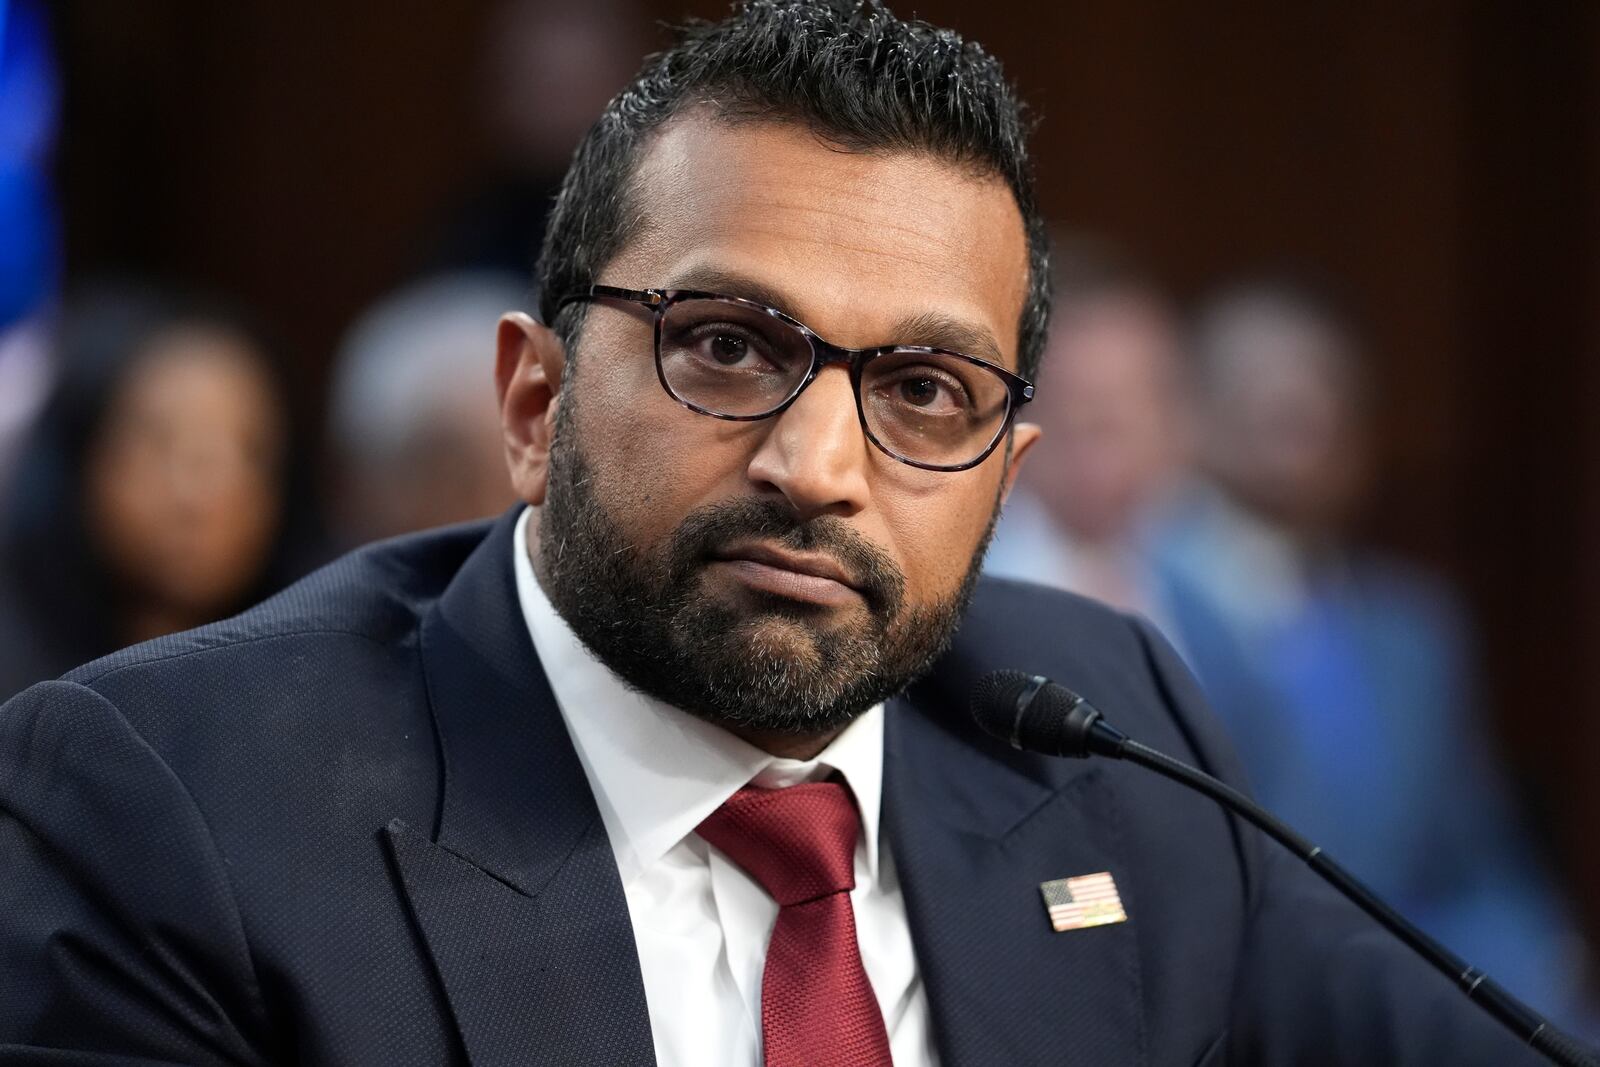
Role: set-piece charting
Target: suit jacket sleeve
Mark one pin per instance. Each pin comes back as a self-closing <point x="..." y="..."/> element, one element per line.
<point x="119" y="938"/>
<point x="1320" y="981"/>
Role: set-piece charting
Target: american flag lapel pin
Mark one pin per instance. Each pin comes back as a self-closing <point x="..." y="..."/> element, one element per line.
<point x="1087" y="900"/>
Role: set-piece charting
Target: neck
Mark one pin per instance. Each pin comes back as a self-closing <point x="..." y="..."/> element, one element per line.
<point x="147" y="621"/>
<point x="785" y="746"/>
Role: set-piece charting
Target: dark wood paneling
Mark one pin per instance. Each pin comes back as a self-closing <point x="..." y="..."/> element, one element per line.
<point x="291" y="154"/>
<point x="1529" y="464"/>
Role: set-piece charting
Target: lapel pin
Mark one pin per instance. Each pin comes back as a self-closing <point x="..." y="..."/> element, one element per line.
<point x="1087" y="900"/>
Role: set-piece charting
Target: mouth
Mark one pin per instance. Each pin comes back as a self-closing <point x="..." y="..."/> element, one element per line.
<point x="806" y="577"/>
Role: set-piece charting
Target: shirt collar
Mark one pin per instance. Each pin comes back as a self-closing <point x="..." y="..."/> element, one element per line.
<point x="657" y="771"/>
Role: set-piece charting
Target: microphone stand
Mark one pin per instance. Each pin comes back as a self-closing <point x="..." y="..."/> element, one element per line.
<point x="1105" y="740"/>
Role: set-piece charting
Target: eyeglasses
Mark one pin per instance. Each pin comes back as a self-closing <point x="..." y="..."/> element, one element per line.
<point x="736" y="359"/>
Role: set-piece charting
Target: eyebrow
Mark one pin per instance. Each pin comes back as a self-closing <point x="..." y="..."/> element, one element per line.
<point x="927" y="329"/>
<point x="933" y="330"/>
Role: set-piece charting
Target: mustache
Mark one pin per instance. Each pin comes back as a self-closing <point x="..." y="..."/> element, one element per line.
<point x="714" y="527"/>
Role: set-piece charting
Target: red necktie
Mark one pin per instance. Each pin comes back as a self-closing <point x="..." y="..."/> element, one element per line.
<point x="817" y="1005"/>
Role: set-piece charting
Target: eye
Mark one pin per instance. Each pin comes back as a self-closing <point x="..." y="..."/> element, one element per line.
<point x="928" y="389"/>
<point x="727" y="344"/>
<point x="727" y="349"/>
<point x="921" y="391"/>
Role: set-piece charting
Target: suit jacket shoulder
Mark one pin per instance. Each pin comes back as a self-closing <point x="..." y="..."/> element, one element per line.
<point x="348" y="826"/>
<point x="202" y="814"/>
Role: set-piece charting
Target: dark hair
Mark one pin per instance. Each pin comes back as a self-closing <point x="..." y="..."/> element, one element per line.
<point x="857" y="75"/>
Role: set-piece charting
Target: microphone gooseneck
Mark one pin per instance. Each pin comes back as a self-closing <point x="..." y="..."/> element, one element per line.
<point x="1032" y="713"/>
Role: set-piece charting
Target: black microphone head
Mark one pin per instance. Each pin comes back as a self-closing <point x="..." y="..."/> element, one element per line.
<point x="994" y="701"/>
<point x="1030" y="712"/>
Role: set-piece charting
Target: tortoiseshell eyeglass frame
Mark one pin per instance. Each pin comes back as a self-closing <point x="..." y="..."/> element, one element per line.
<point x="1019" y="390"/>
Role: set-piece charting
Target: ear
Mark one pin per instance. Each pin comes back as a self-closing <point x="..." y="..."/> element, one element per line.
<point x="529" y="360"/>
<point x="1023" y="437"/>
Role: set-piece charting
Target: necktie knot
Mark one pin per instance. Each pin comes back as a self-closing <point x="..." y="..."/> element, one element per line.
<point x="799" y="842"/>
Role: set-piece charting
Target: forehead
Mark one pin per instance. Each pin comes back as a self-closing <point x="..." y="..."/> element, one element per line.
<point x="856" y="244"/>
<point x="1268" y="356"/>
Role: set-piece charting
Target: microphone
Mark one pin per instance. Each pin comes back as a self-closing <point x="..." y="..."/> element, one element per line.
<point x="1032" y="713"/>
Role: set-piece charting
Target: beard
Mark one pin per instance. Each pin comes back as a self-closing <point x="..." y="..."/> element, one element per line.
<point x="772" y="665"/>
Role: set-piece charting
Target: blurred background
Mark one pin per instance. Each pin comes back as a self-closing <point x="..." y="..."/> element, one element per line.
<point x="1321" y="392"/>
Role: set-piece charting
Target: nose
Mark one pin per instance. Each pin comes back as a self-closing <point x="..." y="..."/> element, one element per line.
<point x="815" y="453"/>
<point x="199" y="468"/>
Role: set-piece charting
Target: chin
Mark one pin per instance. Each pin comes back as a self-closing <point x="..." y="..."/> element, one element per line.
<point x="776" y="637"/>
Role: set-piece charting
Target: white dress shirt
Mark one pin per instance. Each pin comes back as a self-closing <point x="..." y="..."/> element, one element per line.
<point x="701" y="924"/>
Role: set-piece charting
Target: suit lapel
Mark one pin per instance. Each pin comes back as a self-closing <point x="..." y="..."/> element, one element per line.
<point x="975" y="828"/>
<point x="515" y="889"/>
<point x="516" y="895"/>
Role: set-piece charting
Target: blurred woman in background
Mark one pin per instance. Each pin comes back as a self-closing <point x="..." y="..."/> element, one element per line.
<point x="155" y="494"/>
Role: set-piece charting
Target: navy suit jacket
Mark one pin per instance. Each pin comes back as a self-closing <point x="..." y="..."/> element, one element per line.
<point x="349" y="826"/>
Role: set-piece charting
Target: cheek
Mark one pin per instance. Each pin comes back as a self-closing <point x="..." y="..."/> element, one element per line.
<point x="248" y="511"/>
<point x="934" y="535"/>
<point x="124" y="505"/>
<point x="653" y="460"/>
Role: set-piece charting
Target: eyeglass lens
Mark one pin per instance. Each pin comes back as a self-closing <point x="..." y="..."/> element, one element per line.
<point x="735" y="359"/>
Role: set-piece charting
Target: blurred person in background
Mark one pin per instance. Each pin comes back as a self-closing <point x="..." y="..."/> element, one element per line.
<point x="154" y="492"/>
<point x="413" y="414"/>
<point x="1089" y="514"/>
<point x="548" y="68"/>
<point x="1354" y="702"/>
<point x="1118" y="438"/>
<point x="30" y="240"/>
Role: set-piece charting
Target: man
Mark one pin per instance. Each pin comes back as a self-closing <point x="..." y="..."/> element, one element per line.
<point x="416" y="440"/>
<point x="1116" y="419"/>
<point x="1351" y="685"/>
<point x="625" y="778"/>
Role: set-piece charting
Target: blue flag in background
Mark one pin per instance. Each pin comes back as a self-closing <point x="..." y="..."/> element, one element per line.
<point x="30" y="254"/>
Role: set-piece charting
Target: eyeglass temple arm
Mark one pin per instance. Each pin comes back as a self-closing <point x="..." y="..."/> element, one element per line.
<point x="648" y="297"/>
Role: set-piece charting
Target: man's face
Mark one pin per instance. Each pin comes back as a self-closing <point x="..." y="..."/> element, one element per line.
<point x="1285" y="432"/>
<point x="1115" y="413"/>
<point x="778" y="575"/>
